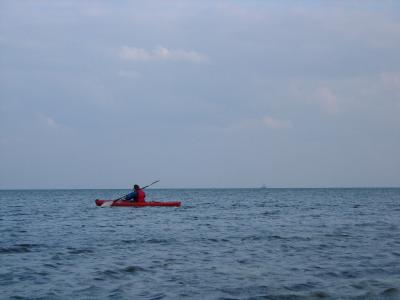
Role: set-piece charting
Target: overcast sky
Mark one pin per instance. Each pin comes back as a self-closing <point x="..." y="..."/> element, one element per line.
<point x="105" y="94"/>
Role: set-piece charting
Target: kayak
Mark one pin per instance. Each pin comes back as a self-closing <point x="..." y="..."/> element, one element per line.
<point x="138" y="204"/>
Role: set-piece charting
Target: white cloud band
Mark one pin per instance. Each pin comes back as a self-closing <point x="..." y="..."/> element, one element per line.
<point x="161" y="53"/>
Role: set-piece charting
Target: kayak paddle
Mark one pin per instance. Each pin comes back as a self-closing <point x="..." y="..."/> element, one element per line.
<point x="150" y="184"/>
<point x="110" y="203"/>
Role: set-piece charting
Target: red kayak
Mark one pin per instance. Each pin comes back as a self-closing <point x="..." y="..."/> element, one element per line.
<point x="136" y="204"/>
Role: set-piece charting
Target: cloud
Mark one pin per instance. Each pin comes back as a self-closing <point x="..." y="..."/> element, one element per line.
<point x="94" y="10"/>
<point x="48" y="121"/>
<point x="391" y="86"/>
<point x="161" y="53"/>
<point x="255" y="123"/>
<point x="4" y="141"/>
<point x="275" y="123"/>
<point x="391" y="80"/>
<point x="129" y="74"/>
<point x="328" y="100"/>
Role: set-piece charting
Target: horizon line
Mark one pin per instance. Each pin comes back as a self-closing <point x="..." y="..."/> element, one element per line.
<point x="204" y="188"/>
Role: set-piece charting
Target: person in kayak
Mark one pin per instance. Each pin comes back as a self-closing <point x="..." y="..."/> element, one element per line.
<point x="137" y="195"/>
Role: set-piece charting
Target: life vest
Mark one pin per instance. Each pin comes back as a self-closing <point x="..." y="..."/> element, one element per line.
<point x="140" y="195"/>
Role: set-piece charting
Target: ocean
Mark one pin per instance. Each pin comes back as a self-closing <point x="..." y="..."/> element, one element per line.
<point x="220" y="244"/>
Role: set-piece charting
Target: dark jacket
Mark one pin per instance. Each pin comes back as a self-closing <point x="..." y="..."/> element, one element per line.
<point x="136" y="196"/>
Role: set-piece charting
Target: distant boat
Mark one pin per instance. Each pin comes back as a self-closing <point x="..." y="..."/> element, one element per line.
<point x="263" y="186"/>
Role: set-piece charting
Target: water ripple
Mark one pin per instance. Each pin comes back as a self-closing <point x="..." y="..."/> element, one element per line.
<point x="278" y="244"/>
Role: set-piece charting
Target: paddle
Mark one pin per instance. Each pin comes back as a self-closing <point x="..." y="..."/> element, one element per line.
<point x="150" y="184"/>
<point x="110" y="203"/>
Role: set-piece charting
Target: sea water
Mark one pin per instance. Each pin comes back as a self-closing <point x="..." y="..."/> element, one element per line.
<point x="220" y="244"/>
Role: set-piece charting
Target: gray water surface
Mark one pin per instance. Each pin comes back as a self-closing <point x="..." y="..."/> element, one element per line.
<point x="221" y="244"/>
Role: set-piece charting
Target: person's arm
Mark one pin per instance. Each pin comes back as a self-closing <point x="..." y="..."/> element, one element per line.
<point x="130" y="196"/>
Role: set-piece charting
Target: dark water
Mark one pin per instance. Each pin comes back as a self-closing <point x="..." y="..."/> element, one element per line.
<point x="221" y="244"/>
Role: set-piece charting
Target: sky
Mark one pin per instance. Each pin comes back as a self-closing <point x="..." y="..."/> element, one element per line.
<point x="199" y="94"/>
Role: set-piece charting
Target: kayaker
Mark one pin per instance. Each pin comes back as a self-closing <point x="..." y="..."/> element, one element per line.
<point x="137" y="195"/>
